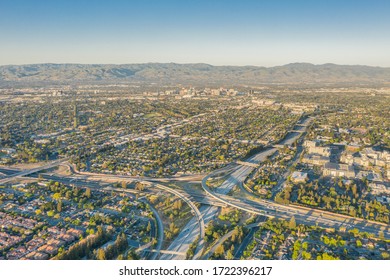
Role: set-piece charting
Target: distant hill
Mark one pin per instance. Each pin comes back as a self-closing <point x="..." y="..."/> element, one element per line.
<point x="169" y="73"/>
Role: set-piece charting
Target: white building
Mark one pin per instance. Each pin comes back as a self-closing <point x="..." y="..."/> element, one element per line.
<point x="299" y="177"/>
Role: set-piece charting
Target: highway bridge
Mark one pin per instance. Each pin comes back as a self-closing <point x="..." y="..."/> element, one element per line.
<point x="302" y="215"/>
<point x="245" y="163"/>
<point x="32" y="171"/>
<point x="219" y="197"/>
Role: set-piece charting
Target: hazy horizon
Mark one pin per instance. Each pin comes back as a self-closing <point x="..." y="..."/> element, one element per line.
<point x="258" y="33"/>
<point x="191" y="63"/>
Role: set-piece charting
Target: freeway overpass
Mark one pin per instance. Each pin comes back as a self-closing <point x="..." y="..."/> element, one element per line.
<point x="197" y="227"/>
<point x="33" y="170"/>
<point x="302" y="215"/>
<point x="245" y="163"/>
<point x="272" y="209"/>
<point x="196" y="196"/>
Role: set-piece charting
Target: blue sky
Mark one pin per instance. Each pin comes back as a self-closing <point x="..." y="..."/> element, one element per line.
<point x="258" y="32"/>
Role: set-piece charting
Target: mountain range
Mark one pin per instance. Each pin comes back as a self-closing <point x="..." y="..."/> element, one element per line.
<point x="172" y="73"/>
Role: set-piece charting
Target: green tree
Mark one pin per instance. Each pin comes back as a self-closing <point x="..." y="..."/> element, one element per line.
<point x="229" y="255"/>
<point x="57" y="196"/>
<point x="59" y="206"/>
<point x="220" y="251"/>
<point x="292" y="224"/>
<point x="148" y="227"/>
<point x="385" y="255"/>
<point x="101" y="254"/>
<point x="88" y="192"/>
<point x="306" y="255"/>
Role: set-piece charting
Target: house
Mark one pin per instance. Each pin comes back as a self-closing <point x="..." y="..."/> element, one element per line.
<point x="338" y="170"/>
<point x="66" y="237"/>
<point x="49" y="249"/>
<point x="74" y="232"/>
<point x="299" y="177"/>
<point x="347" y="182"/>
<point x="56" y="243"/>
<point x="37" y="256"/>
<point x="54" y="230"/>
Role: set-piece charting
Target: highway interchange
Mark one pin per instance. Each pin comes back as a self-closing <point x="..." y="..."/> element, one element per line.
<point x="211" y="199"/>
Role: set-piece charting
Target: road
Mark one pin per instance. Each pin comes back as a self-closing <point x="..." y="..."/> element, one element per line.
<point x="243" y="171"/>
<point x="302" y="215"/>
<point x="31" y="171"/>
<point x="188" y="235"/>
<point x="160" y="232"/>
<point x="271" y="209"/>
<point x="198" y="215"/>
<point x="196" y="226"/>
<point x="98" y="183"/>
<point x="239" y="174"/>
<point x="248" y="238"/>
<point x="220" y="241"/>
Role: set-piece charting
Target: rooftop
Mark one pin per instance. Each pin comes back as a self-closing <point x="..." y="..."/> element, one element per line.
<point x="296" y="175"/>
<point x="336" y="166"/>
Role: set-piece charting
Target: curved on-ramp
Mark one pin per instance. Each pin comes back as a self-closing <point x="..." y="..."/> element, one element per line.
<point x="193" y="207"/>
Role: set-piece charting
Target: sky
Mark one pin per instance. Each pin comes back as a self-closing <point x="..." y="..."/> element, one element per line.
<point x="217" y="32"/>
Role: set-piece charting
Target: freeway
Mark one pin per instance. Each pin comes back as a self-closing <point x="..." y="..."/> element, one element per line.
<point x="186" y="178"/>
<point x="167" y="252"/>
<point x="189" y="234"/>
<point x="96" y="183"/>
<point x="302" y="215"/>
<point x="243" y="171"/>
<point x="238" y="173"/>
<point x="8" y="171"/>
<point x="198" y="215"/>
<point x="269" y="208"/>
<point x="33" y="170"/>
<point x="194" y="228"/>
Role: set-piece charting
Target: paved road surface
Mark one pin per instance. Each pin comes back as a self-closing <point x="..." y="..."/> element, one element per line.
<point x="189" y="233"/>
<point x="34" y="170"/>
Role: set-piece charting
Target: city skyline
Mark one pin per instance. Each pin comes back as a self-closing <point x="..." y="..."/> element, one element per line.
<point x="255" y="33"/>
